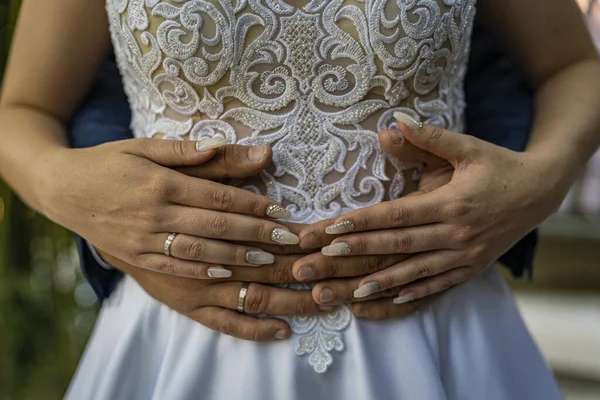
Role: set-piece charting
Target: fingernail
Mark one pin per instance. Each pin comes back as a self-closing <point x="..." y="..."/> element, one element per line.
<point x="405" y="298"/>
<point x="367" y="289"/>
<point x="326" y="295"/>
<point x="276" y="211"/>
<point x="207" y="144"/>
<point x="218" y="272"/>
<point x="259" y="257"/>
<point x="408" y="121"/>
<point x="280" y="335"/>
<point x="325" y="308"/>
<point x="284" y="237"/>
<point x="256" y="153"/>
<point x="394" y="136"/>
<point x="337" y="249"/>
<point x="344" y="226"/>
<point x="305" y="273"/>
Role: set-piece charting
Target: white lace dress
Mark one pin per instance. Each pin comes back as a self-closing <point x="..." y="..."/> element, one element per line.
<point x="316" y="80"/>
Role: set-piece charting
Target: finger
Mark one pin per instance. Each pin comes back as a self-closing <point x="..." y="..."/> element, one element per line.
<point x="451" y="146"/>
<point x="188" y="191"/>
<point x="263" y="299"/>
<point x="421" y="209"/>
<point x="232" y="162"/>
<point x="386" y="309"/>
<point x="340" y="291"/>
<point x="278" y="272"/>
<point x="393" y="241"/>
<point x="417" y="267"/>
<point x="435" y="284"/>
<point x="241" y="326"/>
<point x="394" y="144"/>
<point x="225" y="226"/>
<point x="174" y="266"/>
<point x="287" y="249"/>
<point x="317" y="266"/>
<point x="173" y="153"/>
<point x="193" y="248"/>
<point x="314" y="236"/>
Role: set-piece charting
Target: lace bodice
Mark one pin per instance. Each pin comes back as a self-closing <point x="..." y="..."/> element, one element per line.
<point x="314" y="79"/>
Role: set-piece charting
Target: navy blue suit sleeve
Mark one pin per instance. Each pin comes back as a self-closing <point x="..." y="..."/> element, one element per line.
<point x="103" y="117"/>
<point x="500" y="111"/>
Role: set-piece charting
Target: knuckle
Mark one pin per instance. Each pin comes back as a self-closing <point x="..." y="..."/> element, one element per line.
<point x="261" y="231"/>
<point x="435" y="133"/>
<point x="222" y="199"/>
<point x="167" y="267"/>
<point x="446" y="284"/>
<point x="388" y="281"/>
<point x="457" y="208"/>
<point x="197" y="249"/>
<point x="401" y="243"/>
<point x="420" y="270"/>
<point x="256" y="207"/>
<point x="281" y="273"/>
<point x="374" y="264"/>
<point x="476" y="253"/>
<point x="302" y="306"/>
<point x="464" y="236"/>
<point x="179" y="149"/>
<point x="219" y="225"/>
<point x="399" y="216"/>
<point x="160" y="186"/>
<point x="361" y="310"/>
<point x="226" y="328"/>
<point x="258" y="301"/>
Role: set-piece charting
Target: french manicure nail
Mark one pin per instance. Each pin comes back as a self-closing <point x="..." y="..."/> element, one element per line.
<point x="408" y="121"/>
<point x="218" y="272"/>
<point x="395" y="136"/>
<point x="212" y="143"/>
<point x="280" y="335"/>
<point x="337" y="249"/>
<point x="405" y="298"/>
<point x="256" y="153"/>
<point x="344" y="226"/>
<point x="276" y="211"/>
<point x="325" y="308"/>
<point x="326" y="295"/>
<point x="305" y="273"/>
<point x="284" y="237"/>
<point x="259" y="257"/>
<point x="367" y="289"/>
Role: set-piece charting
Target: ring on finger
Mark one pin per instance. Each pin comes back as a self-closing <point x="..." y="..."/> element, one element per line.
<point x="168" y="243"/>
<point x="242" y="297"/>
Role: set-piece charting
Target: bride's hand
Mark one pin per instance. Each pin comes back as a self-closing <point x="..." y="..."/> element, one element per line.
<point x="495" y="197"/>
<point x="126" y="199"/>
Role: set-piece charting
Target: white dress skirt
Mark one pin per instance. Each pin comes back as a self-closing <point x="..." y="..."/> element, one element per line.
<point x="471" y="344"/>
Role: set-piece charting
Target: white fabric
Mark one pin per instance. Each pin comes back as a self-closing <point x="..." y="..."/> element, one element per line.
<point x="470" y="345"/>
<point x="316" y="83"/>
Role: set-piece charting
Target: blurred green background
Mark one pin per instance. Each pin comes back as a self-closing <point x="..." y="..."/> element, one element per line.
<point x="46" y="308"/>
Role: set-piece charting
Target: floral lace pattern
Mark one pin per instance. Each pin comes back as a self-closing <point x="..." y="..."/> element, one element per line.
<point x="308" y="81"/>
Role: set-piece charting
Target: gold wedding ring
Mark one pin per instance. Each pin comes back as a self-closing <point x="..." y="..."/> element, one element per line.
<point x="242" y="297"/>
<point x="168" y="243"/>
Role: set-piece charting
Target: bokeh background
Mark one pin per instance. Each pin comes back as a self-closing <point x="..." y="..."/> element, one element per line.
<point x="47" y="310"/>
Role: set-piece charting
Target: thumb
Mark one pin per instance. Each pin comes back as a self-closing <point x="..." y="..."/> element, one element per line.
<point x="176" y="153"/>
<point x="451" y="146"/>
<point x="393" y="143"/>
